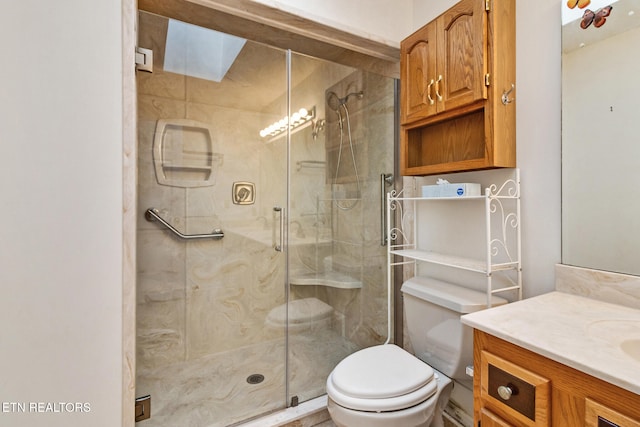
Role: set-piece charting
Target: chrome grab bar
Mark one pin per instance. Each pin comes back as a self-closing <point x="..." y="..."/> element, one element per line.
<point x="385" y="179"/>
<point x="152" y="215"/>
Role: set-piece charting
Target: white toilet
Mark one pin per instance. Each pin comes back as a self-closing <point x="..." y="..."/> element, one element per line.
<point x="384" y="385"/>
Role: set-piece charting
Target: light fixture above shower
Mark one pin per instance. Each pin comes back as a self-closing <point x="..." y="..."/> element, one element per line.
<point x="295" y="121"/>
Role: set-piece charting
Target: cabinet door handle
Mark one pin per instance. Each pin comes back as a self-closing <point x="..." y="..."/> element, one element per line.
<point x="505" y="392"/>
<point x="429" y="86"/>
<point x="438" y="88"/>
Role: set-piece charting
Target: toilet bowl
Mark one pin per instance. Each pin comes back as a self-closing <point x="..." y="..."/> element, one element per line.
<point x="385" y="386"/>
<point x="303" y="315"/>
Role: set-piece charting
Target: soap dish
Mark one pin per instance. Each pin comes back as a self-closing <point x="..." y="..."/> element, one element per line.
<point x="183" y="154"/>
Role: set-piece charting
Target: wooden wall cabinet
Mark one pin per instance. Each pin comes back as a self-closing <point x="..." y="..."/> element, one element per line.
<point x="454" y="72"/>
<point x="543" y="392"/>
<point x="452" y="46"/>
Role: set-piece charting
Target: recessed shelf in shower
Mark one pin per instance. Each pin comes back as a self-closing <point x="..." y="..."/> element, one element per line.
<point x="183" y="154"/>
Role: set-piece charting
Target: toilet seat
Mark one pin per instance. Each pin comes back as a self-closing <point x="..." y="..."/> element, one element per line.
<point x="381" y="378"/>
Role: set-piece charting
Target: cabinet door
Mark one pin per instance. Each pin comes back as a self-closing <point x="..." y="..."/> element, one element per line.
<point x="597" y="415"/>
<point x="489" y="419"/>
<point x="418" y="72"/>
<point x="462" y="53"/>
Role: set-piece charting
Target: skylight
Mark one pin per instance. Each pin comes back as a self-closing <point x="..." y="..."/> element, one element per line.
<point x="200" y="52"/>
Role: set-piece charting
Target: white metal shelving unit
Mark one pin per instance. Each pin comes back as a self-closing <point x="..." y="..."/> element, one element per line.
<point x="504" y="242"/>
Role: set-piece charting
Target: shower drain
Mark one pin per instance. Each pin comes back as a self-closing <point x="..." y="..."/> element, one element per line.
<point x="255" y="378"/>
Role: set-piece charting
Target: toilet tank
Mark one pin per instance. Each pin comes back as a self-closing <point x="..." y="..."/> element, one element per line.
<point x="432" y="311"/>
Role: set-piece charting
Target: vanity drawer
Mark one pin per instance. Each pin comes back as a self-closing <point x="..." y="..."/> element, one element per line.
<point x="597" y="415"/>
<point x="514" y="392"/>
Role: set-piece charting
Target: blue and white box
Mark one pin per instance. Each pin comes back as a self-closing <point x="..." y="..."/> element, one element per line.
<point x="464" y="189"/>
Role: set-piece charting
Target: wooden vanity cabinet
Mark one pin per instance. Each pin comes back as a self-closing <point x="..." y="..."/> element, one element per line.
<point x="550" y="393"/>
<point x="454" y="71"/>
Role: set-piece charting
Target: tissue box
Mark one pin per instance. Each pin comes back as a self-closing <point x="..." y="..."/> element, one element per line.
<point x="451" y="190"/>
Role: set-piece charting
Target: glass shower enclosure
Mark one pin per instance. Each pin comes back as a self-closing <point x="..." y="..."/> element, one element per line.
<point x="260" y="264"/>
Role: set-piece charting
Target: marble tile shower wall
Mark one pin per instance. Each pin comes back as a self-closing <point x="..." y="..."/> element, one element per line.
<point x="205" y="296"/>
<point x="356" y="243"/>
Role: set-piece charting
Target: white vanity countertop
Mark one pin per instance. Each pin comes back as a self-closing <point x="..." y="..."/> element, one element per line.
<point x="579" y="332"/>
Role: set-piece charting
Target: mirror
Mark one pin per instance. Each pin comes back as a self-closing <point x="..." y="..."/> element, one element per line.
<point x="600" y="135"/>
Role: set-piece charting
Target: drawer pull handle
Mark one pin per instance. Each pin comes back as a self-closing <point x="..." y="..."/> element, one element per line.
<point x="506" y="391"/>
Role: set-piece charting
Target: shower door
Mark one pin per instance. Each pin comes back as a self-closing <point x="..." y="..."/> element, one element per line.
<point x="205" y="352"/>
<point x="336" y="262"/>
<point x="269" y="149"/>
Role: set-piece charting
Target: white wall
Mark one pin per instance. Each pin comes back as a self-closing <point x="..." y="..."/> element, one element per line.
<point x="538" y="93"/>
<point x="385" y="21"/>
<point x="61" y="174"/>
<point x="60" y="224"/>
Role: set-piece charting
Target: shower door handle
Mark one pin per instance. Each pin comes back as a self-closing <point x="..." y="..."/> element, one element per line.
<point x="385" y="179"/>
<point x="280" y="243"/>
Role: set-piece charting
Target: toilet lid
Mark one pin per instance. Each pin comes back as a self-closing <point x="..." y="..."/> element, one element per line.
<point x="381" y="378"/>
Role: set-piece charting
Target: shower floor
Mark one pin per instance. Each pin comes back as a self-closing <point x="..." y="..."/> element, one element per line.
<point x="213" y="391"/>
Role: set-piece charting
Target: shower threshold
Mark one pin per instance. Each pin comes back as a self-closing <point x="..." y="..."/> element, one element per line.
<point x="316" y="408"/>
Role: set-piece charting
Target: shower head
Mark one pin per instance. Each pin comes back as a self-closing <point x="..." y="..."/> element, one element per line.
<point x="335" y="102"/>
